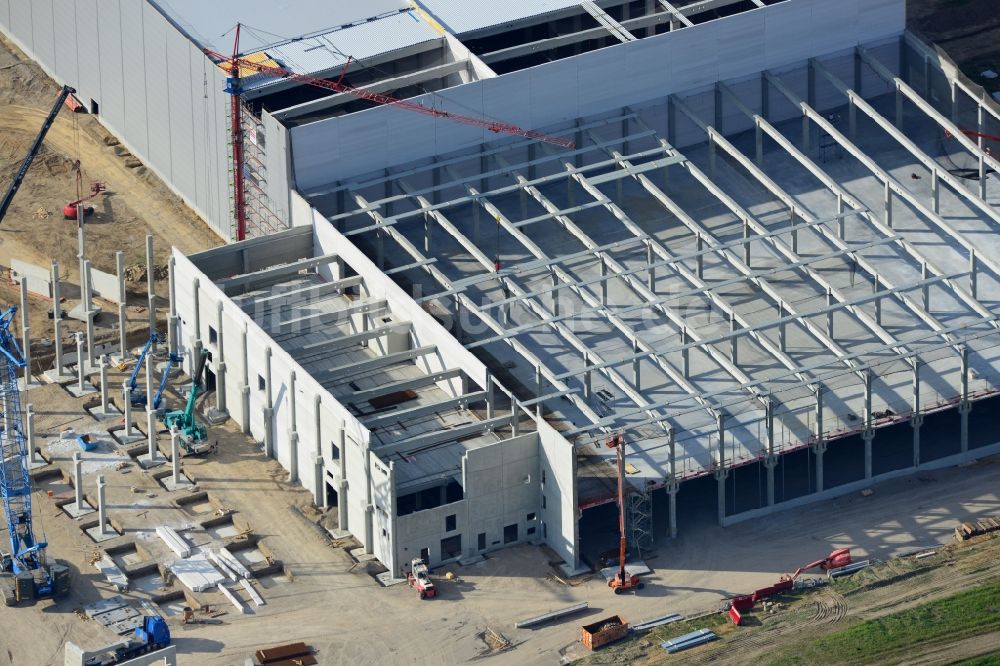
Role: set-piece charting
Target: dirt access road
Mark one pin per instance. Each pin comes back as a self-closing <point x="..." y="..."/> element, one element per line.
<point x="136" y="203"/>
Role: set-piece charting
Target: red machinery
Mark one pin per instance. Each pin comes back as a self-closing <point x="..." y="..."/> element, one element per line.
<point x="838" y="558"/>
<point x="70" y="211"/>
<point x="234" y="65"/>
<point x="623" y="581"/>
<point x="419" y="579"/>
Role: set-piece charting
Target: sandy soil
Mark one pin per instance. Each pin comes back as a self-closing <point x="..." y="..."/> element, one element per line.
<point x="136" y="202"/>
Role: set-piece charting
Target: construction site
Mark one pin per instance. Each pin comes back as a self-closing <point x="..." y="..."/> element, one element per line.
<point x="406" y="332"/>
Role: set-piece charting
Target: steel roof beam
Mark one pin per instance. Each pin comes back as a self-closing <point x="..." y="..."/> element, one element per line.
<point x="445" y="436"/>
<point x="894" y="185"/>
<point x="371" y="364"/>
<point x="245" y="280"/>
<point x="616" y="29"/>
<point x="363" y="306"/>
<point x="404" y="385"/>
<point x="409" y="414"/>
<point x="341" y="343"/>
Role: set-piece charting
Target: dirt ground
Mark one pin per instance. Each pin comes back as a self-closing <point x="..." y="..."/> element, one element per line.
<point x="136" y="202"/>
<point x="329" y="602"/>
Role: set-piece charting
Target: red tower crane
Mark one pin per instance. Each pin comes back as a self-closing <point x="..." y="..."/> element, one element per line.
<point x="234" y="64"/>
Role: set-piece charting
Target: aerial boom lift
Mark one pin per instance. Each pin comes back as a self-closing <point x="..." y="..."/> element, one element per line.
<point x="192" y="432"/>
<point x="623" y="581"/>
<point x="35" y="147"/>
<point x="138" y="397"/>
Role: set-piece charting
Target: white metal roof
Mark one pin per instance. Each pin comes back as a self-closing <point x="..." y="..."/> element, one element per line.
<point x="267" y="22"/>
<point x="462" y="16"/>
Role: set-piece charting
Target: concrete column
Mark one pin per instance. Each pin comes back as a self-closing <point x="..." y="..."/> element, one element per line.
<point x="319" y="489"/>
<point x="604" y="281"/>
<point x="127" y="408"/>
<point x="539" y="380"/>
<point x="918" y="417"/>
<point x="672" y="489"/>
<point x="965" y="405"/>
<point x="935" y="191"/>
<point x="887" y="199"/>
<point x="490" y="397"/>
<point x="636" y="366"/>
<point x="868" y="434"/>
<point x="982" y="156"/>
<point x="102" y="517"/>
<point x="152" y="451"/>
<point x="852" y="119"/>
<point x="196" y="317"/>
<point x="105" y="406"/>
<point x="172" y="317"/>
<point x="29" y="419"/>
<point x="829" y="314"/>
<point x="81" y="252"/>
<point x="78" y="481"/>
<point x="701" y="257"/>
<point x="782" y="338"/>
<point x="342" y="478"/>
<point x="122" y="314"/>
<point x="150" y="382"/>
<point x="759" y="144"/>
<point x="555" y="293"/>
<point x="973" y="277"/>
<point x="175" y="455"/>
<point x="792" y="217"/>
<point x="733" y="340"/>
<point x="293" y="431"/>
<point x="770" y="457"/>
<point x="878" y="301"/>
<point x="515" y="418"/>
<point x="899" y="108"/>
<point x="244" y="384"/>
<point x="842" y="219"/>
<point x="150" y="285"/>
<point x="220" y="364"/>
<point x="720" y="478"/>
<point x="88" y="311"/>
<point x="746" y="242"/>
<point x="81" y="374"/>
<point x="819" y="446"/>
<point x="925" y="274"/>
<point x="712" y="155"/>
<point x="57" y="318"/>
<point x="651" y="273"/>
<point x="685" y="353"/>
<point x="26" y="334"/>
<point x="269" y="406"/>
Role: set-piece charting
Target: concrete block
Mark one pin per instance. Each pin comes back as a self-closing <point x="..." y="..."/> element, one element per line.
<point x="174" y="541"/>
<point x="196" y="573"/>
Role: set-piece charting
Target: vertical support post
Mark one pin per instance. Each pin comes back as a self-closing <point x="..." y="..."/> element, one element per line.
<point x="490" y="397"/>
<point x="319" y="473"/>
<point x="746" y="243"/>
<point x="245" y="383"/>
<point x="841" y="219"/>
<point x="175" y="455"/>
<point x="88" y="310"/>
<point x="102" y="517"/>
<point x="795" y="232"/>
<point x="636" y="366"/>
<point x="172" y="318"/>
<point x="78" y="481"/>
<point x="733" y="340"/>
<point x="122" y="314"/>
<point x="220" y="363"/>
<point x="685" y="353"/>
<point x="651" y="272"/>
<point x="878" y="301"/>
<point x="935" y="191"/>
<point x="293" y="430"/>
<point x="152" y="451"/>
<point x="868" y="434"/>
<point x="150" y="286"/>
<point x="782" y="337"/>
<point x="127" y="408"/>
<point x="829" y="314"/>
<point x="57" y="318"/>
<point x="105" y="406"/>
<point x="852" y="119"/>
<point x="771" y="456"/>
<point x="982" y="152"/>
<point x="81" y="252"/>
<point x="268" y="406"/>
<point x="721" y="471"/>
<point x="515" y="417"/>
<point x="673" y="484"/>
<point x="926" y="290"/>
<point x="26" y="334"/>
<point x="918" y="417"/>
<point x="973" y="277"/>
<point x="888" y="205"/>
<point x="539" y="380"/>
<point x="555" y="293"/>
<point x="712" y="155"/>
<point x="899" y="108"/>
<point x="701" y="257"/>
<point x="819" y="445"/>
<point x="29" y="437"/>
<point x="759" y="142"/>
<point x="965" y="405"/>
<point x="150" y="383"/>
<point x="80" y="370"/>
<point x="604" y="281"/>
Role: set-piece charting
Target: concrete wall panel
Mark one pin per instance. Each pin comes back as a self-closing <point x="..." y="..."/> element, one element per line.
<point x="20" y="24"/>
<point x="134" y="72"/>
<point x="64" y="24"/>
<point x="109" y="43"/>
<point x="43" y="35"/>
<point x="158" y="85"/>
<point x="557" y="483"/>
<point x="88" y="50"/>
<point x="556" y="92"/>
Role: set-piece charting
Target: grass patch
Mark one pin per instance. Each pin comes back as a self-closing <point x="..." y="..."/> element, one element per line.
<point x="964" y="614"/>
<point x="991" y="660"/>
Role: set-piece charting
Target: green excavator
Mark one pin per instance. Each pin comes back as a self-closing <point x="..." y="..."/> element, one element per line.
<point x="193" y="434"/>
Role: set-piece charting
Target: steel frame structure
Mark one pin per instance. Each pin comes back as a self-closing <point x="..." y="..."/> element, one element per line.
<point x="615" y="278"/>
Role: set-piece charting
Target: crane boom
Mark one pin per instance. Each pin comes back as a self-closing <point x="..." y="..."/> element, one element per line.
<point x="232" y="64"/>
<point x="35" y="147"/>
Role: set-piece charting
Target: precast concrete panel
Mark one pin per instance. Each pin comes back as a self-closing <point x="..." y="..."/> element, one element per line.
<point x="278" y="184"/>
<point x="5" y="14"/>
<point x="88" y="51"/>
<point x="157" y="88"/>
<point x="20" y="24"/>
<point x="557" y="484"/>
<point x="134" y="69"/>
<point x="179" y="114"/>
<point x="109" y="44"/>
<point x="66" y="33"/>
<point x="43" y="36"/>
<point x="594" y="82"/>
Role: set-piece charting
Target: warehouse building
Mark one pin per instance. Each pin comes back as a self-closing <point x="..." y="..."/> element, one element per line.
<point x="755" y="237"/>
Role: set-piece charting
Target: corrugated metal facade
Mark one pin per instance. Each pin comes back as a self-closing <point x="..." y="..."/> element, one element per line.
<point x="155" y="89"/>
<point x="591" y="83"/>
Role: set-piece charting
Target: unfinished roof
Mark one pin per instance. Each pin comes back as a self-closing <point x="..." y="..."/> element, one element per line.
<point x="419" y="412"/>
<point x="709" y="277"/>
<point x="459" y="17"/>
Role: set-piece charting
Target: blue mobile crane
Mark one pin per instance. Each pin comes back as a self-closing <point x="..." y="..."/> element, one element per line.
<point x="33" y="575"/>
<point x="138" y="397"/>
